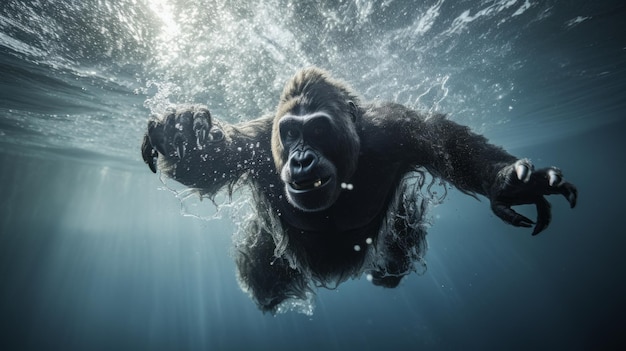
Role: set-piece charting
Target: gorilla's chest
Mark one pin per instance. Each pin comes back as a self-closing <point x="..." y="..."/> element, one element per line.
<point x="360" y="207"/>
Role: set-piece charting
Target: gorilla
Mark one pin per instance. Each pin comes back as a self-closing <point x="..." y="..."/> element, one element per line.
<point x="337" y="183"/>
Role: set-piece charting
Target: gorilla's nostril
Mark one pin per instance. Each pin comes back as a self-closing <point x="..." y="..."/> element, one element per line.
<point x="307" y="160"/>
<point x="303" y="161"/>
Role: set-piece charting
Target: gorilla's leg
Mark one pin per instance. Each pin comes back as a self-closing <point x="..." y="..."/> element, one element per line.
<point x="405" y="245"/>
<point x="268" y="279"/>
<point x="398" y="260"/>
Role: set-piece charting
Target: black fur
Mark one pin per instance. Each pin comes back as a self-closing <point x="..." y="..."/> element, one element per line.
<point x="373" y="224"/>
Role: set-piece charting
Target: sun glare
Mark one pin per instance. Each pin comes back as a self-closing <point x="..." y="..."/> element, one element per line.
<point x="169" y="29"/>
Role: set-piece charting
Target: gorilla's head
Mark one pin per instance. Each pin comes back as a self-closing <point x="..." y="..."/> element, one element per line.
<point x="315" y="144"/>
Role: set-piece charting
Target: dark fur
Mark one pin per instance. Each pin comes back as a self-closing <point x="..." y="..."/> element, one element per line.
<point x="382" y="150"/>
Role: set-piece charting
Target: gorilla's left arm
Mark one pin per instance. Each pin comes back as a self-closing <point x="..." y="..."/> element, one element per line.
<point x="468" y="161"/>
<point x="190" y="146"/>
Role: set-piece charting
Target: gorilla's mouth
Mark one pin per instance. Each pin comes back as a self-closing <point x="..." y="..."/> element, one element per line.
<point x="308" y="185"/>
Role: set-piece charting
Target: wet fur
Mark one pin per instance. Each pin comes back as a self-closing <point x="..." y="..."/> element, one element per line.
<point x="385" y="149"/>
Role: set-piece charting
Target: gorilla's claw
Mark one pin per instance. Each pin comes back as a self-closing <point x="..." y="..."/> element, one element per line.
<point x="179" y="145"/>
<point x="507" y="214"/>
<point x="555" y="177"/>
<point x="557" y="185"/>
<point x="149" y="153"/>
<point x="544" y="215"/>
<point x="201" y="126"/>
<point x="523" y="169"/>
<point x="155" y="135"/>
<point x="570" y="192"/>
<point x="521" y="184"/>
<point x="172" y="135"/>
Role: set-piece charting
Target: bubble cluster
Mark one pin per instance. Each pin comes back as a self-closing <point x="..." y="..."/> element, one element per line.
<point x="347" y="186"/>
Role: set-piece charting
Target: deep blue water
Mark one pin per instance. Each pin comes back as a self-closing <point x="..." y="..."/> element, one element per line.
<point x="94" y="255"/>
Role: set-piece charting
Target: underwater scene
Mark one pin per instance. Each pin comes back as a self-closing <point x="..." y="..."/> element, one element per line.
<point x="99" y="253"/>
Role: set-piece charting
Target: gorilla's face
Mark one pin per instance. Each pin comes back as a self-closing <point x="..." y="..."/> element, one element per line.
<point x="310" y="177"/>
<point x="315" y="143"/>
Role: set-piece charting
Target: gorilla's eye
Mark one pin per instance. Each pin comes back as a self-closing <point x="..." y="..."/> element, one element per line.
<point x="291" y="133"/>
<point x="216" y="134"/>
<point x="317" y="131"/>
<point x="318" y="128"/>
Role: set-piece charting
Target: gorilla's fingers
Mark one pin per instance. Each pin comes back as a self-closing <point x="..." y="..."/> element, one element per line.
<point x="507" y="214"/>
<point x="156" y="135"/>
<point x="149" y="153"/>
<point x="544" y="215"/>
<point x="174" y="133"/>
<point x="180" y="145"/>
<point x="184" y="120"/>
<point x="555" y="177"/>
<point x="570" y="192"/>
<point x="184" y="131"/>
<point x="169" y="132"/>
<point x="201" y="126"/>
<point x="523" y="169"/>
<point x="552" y="180"/>
<point x="548" y="180"/>
<point x="203" y="114"/>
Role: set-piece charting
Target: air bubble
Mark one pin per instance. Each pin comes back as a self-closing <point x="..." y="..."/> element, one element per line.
<point x="347" y="186"/>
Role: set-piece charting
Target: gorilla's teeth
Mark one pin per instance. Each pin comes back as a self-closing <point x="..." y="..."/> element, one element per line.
<point x="317" y="183"/>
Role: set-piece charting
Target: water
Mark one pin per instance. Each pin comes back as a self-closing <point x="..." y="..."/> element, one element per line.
<point x="94" y="256"/>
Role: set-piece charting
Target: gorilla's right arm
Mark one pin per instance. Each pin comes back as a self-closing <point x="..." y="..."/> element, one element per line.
<point x="191" y="147"/>
<point x="465" y="159"/>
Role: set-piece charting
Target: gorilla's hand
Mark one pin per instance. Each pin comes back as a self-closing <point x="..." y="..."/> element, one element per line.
<point x="519" y="184"/>
<point x="176" y="133"/>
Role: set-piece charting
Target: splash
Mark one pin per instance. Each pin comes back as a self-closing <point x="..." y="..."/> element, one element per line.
<point x="458" y="57"/>
<point x="427" y="21"/>
<point x="161" y="99"/>
<point x="236" y="206"/>
<point x="306" y="306"/>
<point x="437" y="92"/>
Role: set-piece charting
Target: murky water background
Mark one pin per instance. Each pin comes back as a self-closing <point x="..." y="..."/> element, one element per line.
<point x="94" y="256"/>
